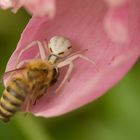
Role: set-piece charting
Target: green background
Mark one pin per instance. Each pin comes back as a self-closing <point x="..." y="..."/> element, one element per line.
<point x="114" y="116"/>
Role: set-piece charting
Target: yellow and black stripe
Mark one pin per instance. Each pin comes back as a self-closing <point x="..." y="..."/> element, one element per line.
<point x="12" y="99"/>
<point x="35" y="80"/>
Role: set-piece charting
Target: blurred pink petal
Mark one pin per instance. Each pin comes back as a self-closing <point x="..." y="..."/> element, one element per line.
<point x="5" y="4"/>
<point x="116" y="23"/>
<point x="35" y="7"/>
<point x="41" y="7"/>
<point x="82" y="23"/>
<point x="114" y="3"/>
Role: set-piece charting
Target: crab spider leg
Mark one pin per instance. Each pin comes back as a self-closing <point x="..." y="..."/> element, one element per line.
<point x="69" y="62"/>
<point x="41" y="50"/>
<point x="73" y="57"/>
<point x="73" y="54"/>
<point x="84" y="58"/>
<point x="45" y="45"/>
<point x="20" y="64"/>
<point x="66" y="76"/>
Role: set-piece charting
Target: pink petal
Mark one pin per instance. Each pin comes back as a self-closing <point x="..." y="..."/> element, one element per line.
<point x="17" y="5"/>
<point x="41" y="7"/>
<point x="35" y="7"/>
<point x="114" y="3"/>
<point x="116" y="23"/>
<point x="82" y="23"/>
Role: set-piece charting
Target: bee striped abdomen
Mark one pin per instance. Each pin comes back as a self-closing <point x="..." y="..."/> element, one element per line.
<point x="12" y="99"/>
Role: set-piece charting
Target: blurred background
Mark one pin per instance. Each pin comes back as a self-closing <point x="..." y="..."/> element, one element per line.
<point x="114" y="116"/>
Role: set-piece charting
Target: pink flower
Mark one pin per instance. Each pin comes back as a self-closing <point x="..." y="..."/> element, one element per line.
<point x="35" y="7"/>
<point x="111" y="34"/>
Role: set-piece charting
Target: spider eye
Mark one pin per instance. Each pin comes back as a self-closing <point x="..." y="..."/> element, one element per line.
<point x="69" y="47"/>
<point x="61" y="53"/>
<point x="51" y="50"/>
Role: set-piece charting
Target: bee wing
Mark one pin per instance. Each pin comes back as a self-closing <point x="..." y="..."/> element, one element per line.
<point x="6" y="74"/>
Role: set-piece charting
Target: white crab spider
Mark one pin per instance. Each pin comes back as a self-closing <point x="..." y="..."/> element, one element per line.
<point x="59" y="48"/>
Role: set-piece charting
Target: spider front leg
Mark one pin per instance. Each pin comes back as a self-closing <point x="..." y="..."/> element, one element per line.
<point x="42" y="53"/>
<point x="72" y="58"/>
<point x="67" y="75"/>
<point x="69" y="61"/>
<point x="39" y="45"/>
<point x="20" y="64"/>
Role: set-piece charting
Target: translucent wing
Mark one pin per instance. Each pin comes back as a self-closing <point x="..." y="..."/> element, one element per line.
<point x="8" y="73"/>
<point x="13" y="71"/>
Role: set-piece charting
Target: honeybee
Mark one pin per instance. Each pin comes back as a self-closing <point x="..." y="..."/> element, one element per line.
<point x="30" y="80"/>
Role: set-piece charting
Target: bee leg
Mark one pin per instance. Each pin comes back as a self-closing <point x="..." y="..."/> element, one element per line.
<point x="27" y="107"/>
<point x="38" y="98"/>
<point x="26" y="114"/>
<point x="35" y="102"/>
<point x="67" y="75"/>
<point x="41" y="50"/>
